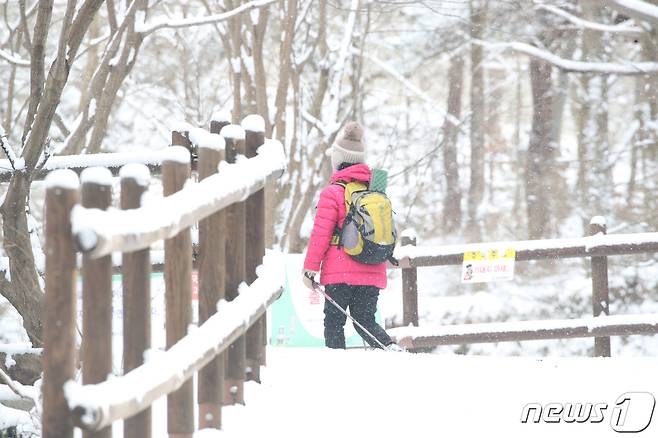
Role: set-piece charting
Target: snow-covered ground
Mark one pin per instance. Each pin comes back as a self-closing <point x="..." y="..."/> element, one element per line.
<point x="328" y="393"/>
<point x="324" y="393"/>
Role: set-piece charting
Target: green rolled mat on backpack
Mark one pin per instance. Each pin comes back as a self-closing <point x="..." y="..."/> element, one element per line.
<point x="378" y="180"/>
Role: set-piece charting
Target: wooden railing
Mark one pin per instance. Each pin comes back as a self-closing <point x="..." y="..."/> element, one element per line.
<point x="598" y="246"/>
<point x="227" y="348"/>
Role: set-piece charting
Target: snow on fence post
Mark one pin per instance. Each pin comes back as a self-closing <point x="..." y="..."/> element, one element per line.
<point x="254" y="127"/>
<point x="59" y="311"/>
<point x="212" y="232"/>
<point x="600" y="295"/>
<point x="409" y="285"/>
<point x="235" y="270"/>
<point x="96" y="293"/>
<point x="178" y="291"/>
<point x="136" y="284"/>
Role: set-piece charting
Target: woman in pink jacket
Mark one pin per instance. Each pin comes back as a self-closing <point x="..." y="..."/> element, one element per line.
<point x="350" y="283"/>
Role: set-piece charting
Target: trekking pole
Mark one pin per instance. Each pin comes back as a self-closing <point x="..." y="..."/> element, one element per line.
<point x="318" y="288"/>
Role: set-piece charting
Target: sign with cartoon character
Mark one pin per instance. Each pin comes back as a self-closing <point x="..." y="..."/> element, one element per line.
<point x="488" y="265"/>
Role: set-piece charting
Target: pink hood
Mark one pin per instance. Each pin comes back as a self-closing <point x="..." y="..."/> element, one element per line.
<point x="357" y="172"/>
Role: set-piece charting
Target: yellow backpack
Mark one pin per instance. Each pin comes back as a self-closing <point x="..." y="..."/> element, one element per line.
<point x="368" y="234"/>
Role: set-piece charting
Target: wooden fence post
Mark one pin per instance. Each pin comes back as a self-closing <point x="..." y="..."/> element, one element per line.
<point x="59" y="310"/>
<point x="96" y="293"/>
<point x="235" y="270"/>
<point x="409" y="288"/>
<point x="219" y="121"/>
<point x="600" y="295"/>
<point x="211" y="290"/>
<point x="178" y="292"/>
<point x="254" y="127"/>
<point x="136" y="283"/>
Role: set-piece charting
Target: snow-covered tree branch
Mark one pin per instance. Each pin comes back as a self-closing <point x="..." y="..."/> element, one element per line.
<point x="622" y="29"/>
<point x="638" y="9"/>
<point x="165" y="23"/>
<point x="629" y="68"/>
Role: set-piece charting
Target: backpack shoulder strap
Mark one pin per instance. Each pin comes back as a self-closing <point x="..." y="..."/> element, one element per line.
<point x="335" y="238"/>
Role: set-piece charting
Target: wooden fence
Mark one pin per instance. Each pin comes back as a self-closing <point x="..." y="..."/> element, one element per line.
<point x="598" y="246"/>
<point x="227" y="347"/>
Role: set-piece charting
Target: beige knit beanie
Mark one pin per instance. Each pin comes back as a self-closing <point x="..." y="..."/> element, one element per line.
<point x="349" y="146"/>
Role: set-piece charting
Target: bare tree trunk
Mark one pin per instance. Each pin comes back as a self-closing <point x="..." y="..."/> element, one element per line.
<point x="540" y="158"/>
<point x="476" y="188"/>
<point x="594" y="173"/>
<point x="452" y="211"/>
<point x="235" y="36"/>
<point x="91" y="64"/>
<point x="519" y="153"/>
<point x="285" y="62"/>
<point x="11" y="83"/>
<point x="260" y="79"/>
<point x="25" y="293"/>
<point x="639" y="137"/>
<point x="323" y="80"/>
<point x="495" y="141"/>
<point x="37" y="61"/>
<point x="650" y="144"/>
<point x="274" y="194"/>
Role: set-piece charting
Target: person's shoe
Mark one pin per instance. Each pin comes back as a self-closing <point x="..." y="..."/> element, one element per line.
<point x="395" y="347"/>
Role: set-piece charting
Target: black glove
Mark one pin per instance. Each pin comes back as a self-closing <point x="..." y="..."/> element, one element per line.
<point x="309" y="278"/>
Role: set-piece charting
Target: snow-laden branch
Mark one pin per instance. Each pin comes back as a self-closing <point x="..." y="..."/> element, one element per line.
<point x="637" y="9"/>
<point x="165" y="23"/>
<point x="96" y="406"/>
<point x="102" y="232"/>
<point x="586" y="24"/>
<point x="568" y="65"/>
<point x="15" y="163"/>
<point x="16" y="387"/>
<point x="411" y="87"/>
<point x="13" y="59"/>
<point x="600" y="326"/>
<point x="19" y="348"/>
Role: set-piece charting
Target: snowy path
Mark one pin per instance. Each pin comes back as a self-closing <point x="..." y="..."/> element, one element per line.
<point x="321" y="393"/>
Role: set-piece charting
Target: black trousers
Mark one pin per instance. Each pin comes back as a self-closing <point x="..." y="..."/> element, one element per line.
<point x="362" y="302"/>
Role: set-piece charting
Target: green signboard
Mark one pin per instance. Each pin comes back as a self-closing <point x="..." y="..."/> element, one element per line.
<point x="297" y="318"/>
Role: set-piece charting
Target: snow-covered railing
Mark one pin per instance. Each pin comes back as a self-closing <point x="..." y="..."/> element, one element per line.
<point x="550" y="249"/>
<point x="597" y="246"/>
<point x="233" y="163"/>
<point x="97" y="406"/>
<point x="78" y="163"/>
<point x="102" y="232"/>
<point x="602" y="326"/>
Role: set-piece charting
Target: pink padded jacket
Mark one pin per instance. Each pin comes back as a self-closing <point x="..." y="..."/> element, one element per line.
<point x="334" y="264"/>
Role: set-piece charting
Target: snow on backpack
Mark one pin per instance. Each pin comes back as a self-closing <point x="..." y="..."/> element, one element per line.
<point x="368" y="234"/>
